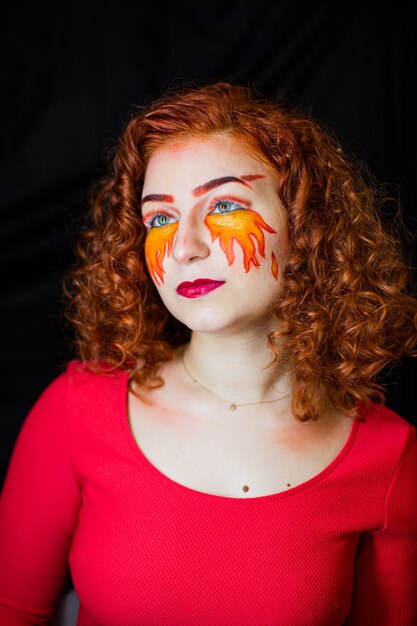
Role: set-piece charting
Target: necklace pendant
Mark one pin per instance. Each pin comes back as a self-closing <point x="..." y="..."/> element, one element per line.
<point x="233" y="407"/>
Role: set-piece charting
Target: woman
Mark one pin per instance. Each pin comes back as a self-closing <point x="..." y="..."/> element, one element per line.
<point x="217" y="455"/>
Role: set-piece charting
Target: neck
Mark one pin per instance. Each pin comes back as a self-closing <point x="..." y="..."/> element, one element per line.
<point x="236" y="367"/>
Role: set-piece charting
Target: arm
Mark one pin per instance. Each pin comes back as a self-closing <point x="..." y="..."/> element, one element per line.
<point x="385" y="588"/>
<point x="38" y="513"/>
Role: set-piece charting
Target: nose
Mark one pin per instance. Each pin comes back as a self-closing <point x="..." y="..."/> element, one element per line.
<point x="192" y="241"/>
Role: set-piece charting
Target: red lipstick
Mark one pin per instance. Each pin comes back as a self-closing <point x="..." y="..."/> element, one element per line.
<point x="199" y="287"/>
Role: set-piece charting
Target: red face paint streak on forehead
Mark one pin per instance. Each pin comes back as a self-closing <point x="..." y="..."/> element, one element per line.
<point x="274" y="266"/>
<point x="242" y="226"/>
<point x="159" y="243"/>
<point x="250" y="177"/>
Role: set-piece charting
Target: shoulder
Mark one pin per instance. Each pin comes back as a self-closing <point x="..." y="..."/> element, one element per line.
<point x="79" y="385"/>
<point x="396" y="450"/>
<point x="88" y="388"/>
<point x="387" y="436"/>
<point x="386" y="422"/>
<point x="78" y="375"/>
<point x="83" y="374"/>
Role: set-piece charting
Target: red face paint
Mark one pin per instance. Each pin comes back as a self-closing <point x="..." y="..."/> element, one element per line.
<point x="274" y="266"/>
<point x="250" y="177"/>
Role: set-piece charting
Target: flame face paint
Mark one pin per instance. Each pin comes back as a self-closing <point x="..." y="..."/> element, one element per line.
<point x="274" y="266"/>
<point x="243" y="226"/>
<point x="159" y="243"/>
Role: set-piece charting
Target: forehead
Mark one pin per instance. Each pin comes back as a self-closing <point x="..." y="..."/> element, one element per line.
<point x="193" y="161"/>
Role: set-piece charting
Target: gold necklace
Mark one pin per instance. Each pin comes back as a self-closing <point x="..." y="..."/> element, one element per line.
<point x="233" y="405"/>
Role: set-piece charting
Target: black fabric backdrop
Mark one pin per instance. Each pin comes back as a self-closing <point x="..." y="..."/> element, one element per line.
<point x="70" y="76"/>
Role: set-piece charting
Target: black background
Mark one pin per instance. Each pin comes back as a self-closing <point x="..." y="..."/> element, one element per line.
<point x="70" y="76"/>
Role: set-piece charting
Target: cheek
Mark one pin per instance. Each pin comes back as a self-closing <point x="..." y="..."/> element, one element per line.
<point x="158" y="244"/>
<point x="244" y="228"/>
<point x="280" y="249"/>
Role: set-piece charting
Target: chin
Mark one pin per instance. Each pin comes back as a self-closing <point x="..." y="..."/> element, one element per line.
<point x="207" y="321"/>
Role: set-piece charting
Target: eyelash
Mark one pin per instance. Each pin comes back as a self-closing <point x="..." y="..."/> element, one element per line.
<point x="236" y="201"/>
<point x="149" y="222"/>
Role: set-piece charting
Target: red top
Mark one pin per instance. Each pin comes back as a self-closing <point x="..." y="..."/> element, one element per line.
<point x="143" y="549"/>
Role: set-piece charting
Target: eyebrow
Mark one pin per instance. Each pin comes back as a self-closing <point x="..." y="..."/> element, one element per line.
<point x="157" y="197"/>
<point x="205" y="187"/>
<point x="216" y="182"/>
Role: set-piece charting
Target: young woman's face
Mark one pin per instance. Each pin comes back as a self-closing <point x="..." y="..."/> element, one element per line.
<point x="216" y="233"/>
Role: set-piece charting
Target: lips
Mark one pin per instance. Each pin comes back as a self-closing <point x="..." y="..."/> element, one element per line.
<point x="199" y="287"/>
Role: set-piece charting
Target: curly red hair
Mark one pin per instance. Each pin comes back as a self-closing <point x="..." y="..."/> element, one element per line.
<point x="344" y="310"/>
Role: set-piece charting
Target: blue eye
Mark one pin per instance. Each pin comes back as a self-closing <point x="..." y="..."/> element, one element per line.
<point x="225" y="206"/>
<point x="157" y="221"/>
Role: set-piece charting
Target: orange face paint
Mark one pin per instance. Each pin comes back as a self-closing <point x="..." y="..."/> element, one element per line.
<point x="158" y="244"/>
<point x="274" y="266"/>
<point x="243" y="226"/>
